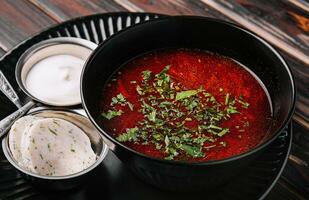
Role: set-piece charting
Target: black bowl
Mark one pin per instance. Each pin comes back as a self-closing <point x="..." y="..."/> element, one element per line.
<point x="189" y="32"/>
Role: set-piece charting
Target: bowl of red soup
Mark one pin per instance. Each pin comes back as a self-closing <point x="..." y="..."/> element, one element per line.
<point x="187" y="102"/>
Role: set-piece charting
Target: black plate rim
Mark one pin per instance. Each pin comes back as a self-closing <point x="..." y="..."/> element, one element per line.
<point x="290" y="132"/>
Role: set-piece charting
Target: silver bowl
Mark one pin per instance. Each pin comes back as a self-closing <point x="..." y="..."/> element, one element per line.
<point x="76" y="47"/>
<point x="68" y="181"/>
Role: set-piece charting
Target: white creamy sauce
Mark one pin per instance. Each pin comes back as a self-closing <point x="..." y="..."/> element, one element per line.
<point x="50" y="146"/>
<point x="56" y="79"/>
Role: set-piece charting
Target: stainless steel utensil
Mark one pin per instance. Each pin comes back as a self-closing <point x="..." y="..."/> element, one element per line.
<point x="8" y="90"/>
<point x="7" y="122"/>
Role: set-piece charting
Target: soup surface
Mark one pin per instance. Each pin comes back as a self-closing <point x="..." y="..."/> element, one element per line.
<point x="183" y="104"/>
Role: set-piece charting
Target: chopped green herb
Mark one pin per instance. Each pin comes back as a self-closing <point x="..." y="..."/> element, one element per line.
<point x="223" y="132"/>
<point x="212" y="99"/>
<point x="200" y="140"/>
<point x="158" y="146"/>
<point x="164" y="71"/>
<point x="130" y="106"/>
<point x="55" y="122"/>
<point x="146" y="75"/>
<point x="152" y="116"/>
<point x="159" y="82"/>
<point x="167" y="141"/>
<point x="244" y="104"/>
<point x="192" y="151"/>
<point x="172" y="153"/>
<point x="157" y="137"/>
<point x="193" y="104"/>
<point x="206" y="94"/>
<point x="130" y="135"/>
<point x="227" y="96"/>
<point x="168" y="108"/>
<point x="112" y="113"/>
<point x="119" y="99"/>
<point x="231" y="110"/>
<point x="52" y="131"/>
<point x="215" y="127"/>
<point x="185" y="94"/>
<point x="139" y="90"/>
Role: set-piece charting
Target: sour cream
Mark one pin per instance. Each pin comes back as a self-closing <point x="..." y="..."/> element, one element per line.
<point x="50" y="71"/>
<point x="56" y="79"/>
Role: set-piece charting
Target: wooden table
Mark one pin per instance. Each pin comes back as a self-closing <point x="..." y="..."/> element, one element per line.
<point x="284" y="23"/>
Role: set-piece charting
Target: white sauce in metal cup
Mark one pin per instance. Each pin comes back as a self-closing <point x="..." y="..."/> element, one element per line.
<point x="56" y="79"/>
<point x="50" y="71"/>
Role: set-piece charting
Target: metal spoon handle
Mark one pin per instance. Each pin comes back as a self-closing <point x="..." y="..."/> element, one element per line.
<point x="8" y="90"/>
<point x="7" y="122"/>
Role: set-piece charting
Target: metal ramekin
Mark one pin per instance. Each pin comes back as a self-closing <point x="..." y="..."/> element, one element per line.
<point x="68" y="181"/>
<point x="56" y="46"/>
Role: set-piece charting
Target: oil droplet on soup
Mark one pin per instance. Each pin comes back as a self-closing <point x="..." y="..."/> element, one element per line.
<point x="183" y="104"/>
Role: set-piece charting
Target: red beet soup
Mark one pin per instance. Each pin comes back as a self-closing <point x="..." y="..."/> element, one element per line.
<point x="185" y="104"/>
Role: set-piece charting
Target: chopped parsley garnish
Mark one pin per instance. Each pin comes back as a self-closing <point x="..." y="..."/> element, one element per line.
<point x="168" y="108"/>
<point x="130" y="135"/>
<point x="52" y="131"/>
<point x="139" y="90"/>
<point x="244" y="104"/>
<point x="119" y="99"/>
<point x="146" y="75"/>
<point x="152" y="116"/>
<point x="185" y="94"/>
<point x="192" y="151"/>
<point x="112" y="113"/>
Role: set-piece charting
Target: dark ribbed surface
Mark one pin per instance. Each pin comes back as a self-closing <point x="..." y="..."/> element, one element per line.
<point x="113" y="180"/>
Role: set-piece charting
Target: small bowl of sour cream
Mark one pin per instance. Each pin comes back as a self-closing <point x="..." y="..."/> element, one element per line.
<point x="49" y="72"/>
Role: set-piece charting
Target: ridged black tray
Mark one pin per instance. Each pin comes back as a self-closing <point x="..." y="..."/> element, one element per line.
<point x="112" y="180"/>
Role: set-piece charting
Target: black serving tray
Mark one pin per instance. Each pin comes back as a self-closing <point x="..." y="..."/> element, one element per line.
<point x="111" y="179"/>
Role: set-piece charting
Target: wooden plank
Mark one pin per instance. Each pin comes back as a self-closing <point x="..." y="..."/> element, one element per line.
<point x="299" y="4"/>
<point x="18" y="20"/>
<point x="61" y="10"/>
<point x="301" y="74"/>
<point x="273" y="27"/>
<point x="170" y="7"/>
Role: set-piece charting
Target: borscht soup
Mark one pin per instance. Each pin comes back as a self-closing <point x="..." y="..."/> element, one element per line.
<point x="186" y="105"/>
